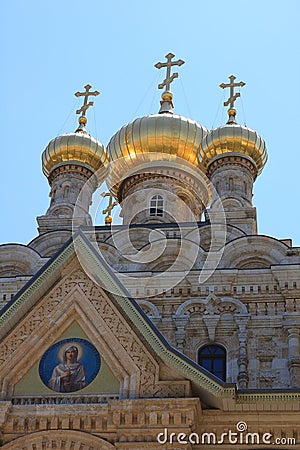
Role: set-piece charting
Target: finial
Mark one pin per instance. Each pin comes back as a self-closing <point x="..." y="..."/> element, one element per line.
<point x="82" y="119"/>
<point x="110" y="207"/>
<point x="166" y="105"/>
<point x="232" y="98"/>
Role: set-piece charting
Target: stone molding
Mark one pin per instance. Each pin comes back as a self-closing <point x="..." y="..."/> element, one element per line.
<point x="120" y="421"/>
<point x="232" y="160"/>
<point x="58" y="439"/>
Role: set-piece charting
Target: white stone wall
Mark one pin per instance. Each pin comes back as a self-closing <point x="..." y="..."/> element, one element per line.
<point x="250" y="304"/>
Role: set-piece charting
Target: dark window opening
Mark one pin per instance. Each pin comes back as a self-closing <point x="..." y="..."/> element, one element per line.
<point x="213" y="359"/>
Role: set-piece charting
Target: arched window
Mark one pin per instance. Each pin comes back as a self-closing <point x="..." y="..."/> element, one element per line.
<point x="156" y="206"/>
<point x="213" y="358"/>
<point x="66" y="191"/>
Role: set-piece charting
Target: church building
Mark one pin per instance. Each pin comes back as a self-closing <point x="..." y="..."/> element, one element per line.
<point x="178" y="328"/>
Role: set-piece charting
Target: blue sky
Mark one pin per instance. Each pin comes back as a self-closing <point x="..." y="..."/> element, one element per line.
<point x="51" y="49"/>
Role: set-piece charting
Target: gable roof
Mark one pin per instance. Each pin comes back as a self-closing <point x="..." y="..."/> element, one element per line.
<point x="80" y="246"/>
<point x="210" y="388"/>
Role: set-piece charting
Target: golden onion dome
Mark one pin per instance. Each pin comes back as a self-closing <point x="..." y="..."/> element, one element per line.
<point x="77" y="148"/>
<point x="158" y="133"/>
<point x="161" y="136"/>
<point x="232" y="139"/>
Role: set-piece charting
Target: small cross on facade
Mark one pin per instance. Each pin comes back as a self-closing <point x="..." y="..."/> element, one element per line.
<point x="86" y="96"/>
<point x="233" y="96"/>
<point x="111" y="204"/>
<point x="169" y="78"/>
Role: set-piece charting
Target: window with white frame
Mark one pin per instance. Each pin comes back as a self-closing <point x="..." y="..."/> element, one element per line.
<point x="156" y="206"/>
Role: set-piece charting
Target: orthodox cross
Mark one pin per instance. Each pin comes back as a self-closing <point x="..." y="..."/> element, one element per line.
<point x="233" y="96"/>
<point x="169" y="78"/>
<point x="110" y="207"/>
<point x="86" y="96"/>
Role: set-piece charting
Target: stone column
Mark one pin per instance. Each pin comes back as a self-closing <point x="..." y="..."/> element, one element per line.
<point x="180" y="333"/>
<point x="72" y="187"/>
<point x="233" y="178"/>
<point x="291" y="322"/>
<point x="242" y="335"/>
<point x="294" y="356"/>
<point x="5" y="408"/>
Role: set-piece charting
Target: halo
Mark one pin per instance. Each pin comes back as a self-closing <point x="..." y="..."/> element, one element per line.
<point x="61" y="350"/>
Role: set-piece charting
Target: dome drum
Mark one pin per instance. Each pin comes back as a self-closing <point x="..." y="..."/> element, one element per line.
<point x="198" y="186"/>
<point x="232" y="159"/>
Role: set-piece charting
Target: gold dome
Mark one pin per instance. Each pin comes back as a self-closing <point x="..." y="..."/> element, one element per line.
<point x="232" y="140"/>
<point x="78" y="148"/>
<point x="153" y="138"/>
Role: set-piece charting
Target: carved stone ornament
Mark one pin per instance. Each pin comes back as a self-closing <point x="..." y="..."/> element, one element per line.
<point x="76" y="296"/>
<point x="58" y="439"/>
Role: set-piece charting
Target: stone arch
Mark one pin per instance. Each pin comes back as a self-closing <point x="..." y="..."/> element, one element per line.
<point x="149" y="308"/>
<point x="232" y="202"/>
<point x="19" y="260"/>
<point x="202" y="305"/>
<point x="254" y="252"/>
<point x="183" y="309"/>
<point x="210" y="311"/>
<point x="58" y="439"/>
<point x="48" y="243"/>
<point x="66" y="191"/>
<point x="181" y="258"/>
<point x="63" y="209"/>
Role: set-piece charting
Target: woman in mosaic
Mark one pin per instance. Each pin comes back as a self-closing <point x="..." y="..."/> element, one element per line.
<point x="70" y="375"/>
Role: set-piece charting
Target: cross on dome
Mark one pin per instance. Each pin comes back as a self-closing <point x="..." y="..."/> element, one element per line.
<point x="169" y="78"/>
<point x="233" y="96"/>
<point x="82" y="119"/>
<point x="110" y="207"/>
<point x="232" y="85"/>
<point x="167" y="96"/>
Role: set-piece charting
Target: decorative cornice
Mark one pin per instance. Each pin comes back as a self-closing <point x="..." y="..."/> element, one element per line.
<point x="80" y="170"/>
<point x="233" y="160"/>
<point x="263" y="397"/>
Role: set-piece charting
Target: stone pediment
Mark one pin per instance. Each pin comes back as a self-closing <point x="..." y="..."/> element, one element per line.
<point x="61" y="298"/>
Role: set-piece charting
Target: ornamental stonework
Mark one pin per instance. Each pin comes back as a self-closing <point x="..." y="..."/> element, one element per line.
<point x="41" y="318"/>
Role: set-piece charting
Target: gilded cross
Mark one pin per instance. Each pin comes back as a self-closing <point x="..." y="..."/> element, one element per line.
<point x="169" y="78"/>
<point x="110" y="207"/>
<point x="232" y="85"/>
<point x="86" y="96"/>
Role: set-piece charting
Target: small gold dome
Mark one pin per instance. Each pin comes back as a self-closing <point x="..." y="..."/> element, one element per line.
<point x="78" y="148"/>
<point x="232" y="139"/>
<point x="158" y="136"/>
